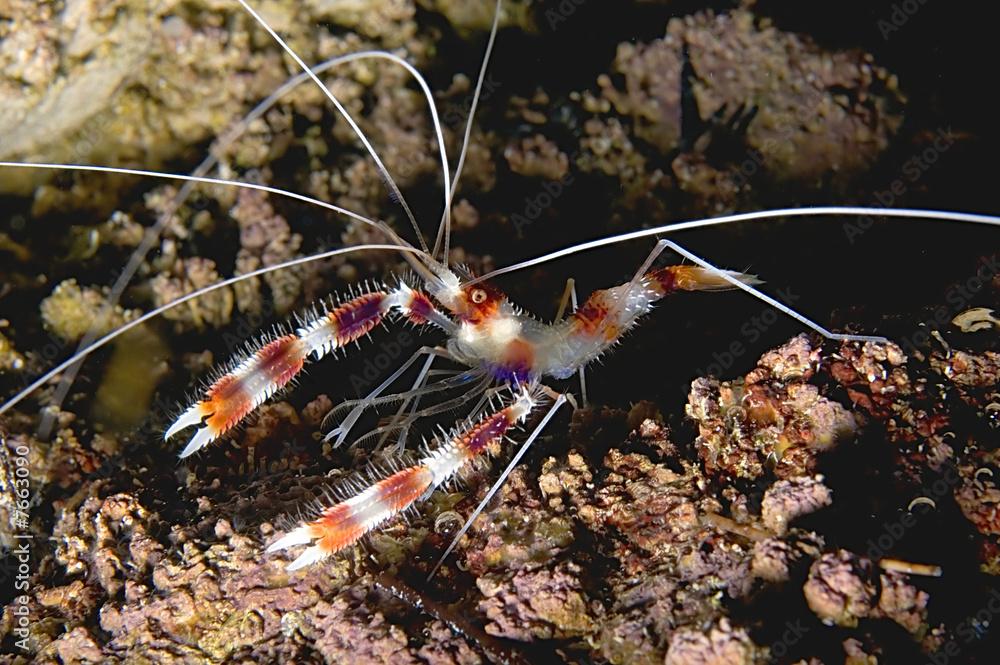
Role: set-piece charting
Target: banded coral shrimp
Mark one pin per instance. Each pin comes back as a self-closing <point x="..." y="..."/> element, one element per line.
<point x="652" y="232"/>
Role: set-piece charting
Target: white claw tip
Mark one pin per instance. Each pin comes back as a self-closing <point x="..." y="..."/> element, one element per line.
<point x="299" y="536"/>
<point x="312" y="555"/>
<point x="746" y="278"/>
<point x="190" y="417"/>
<point x="203" y="437"/>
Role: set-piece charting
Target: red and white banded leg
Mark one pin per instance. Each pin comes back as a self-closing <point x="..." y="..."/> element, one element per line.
<point x="343" y="524"/>
<point x="560" y="399"/>
<point x="253" y="379"/>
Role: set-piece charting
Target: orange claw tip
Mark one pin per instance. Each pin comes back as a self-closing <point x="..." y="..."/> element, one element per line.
<point x="696" y="278"/>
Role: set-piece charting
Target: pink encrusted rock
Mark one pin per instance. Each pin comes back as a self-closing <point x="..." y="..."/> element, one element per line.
<point x="839" y="589"/>
<point x="542" y="604"/>
<point x="788" y="499"/>
<point x="722" y="644"/>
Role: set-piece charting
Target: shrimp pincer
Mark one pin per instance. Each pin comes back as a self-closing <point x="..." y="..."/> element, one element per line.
<point x="255" y="378"/>
<point x="344" y="523"/>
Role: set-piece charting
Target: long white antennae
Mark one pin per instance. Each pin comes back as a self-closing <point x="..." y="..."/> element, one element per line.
<point x="444" y="228"/>
<point x="817" y="211"/>
<point x="153" y="233"/>
<point x="201" y="179"/>
<point x="298" y="79"/>
<point x="354" y="126"/>
<point x="757" y="293"/>
<point x="438" y="132"/>
<point x="183" y="299"/>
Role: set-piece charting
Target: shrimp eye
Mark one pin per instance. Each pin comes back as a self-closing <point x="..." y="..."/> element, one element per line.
<point x="479" y="296"/>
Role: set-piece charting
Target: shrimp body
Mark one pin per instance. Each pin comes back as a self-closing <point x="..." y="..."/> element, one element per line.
<point x="514" y="346"/>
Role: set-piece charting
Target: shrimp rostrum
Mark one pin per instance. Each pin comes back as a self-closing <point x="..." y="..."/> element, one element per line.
<point x="508" y="359"/>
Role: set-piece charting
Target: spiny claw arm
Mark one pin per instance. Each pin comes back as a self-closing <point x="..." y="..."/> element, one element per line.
<point x="343" y="524"/>
<point x="251" y="380"/>
<point x="603" y="318"/>
<point x="606" y="314"/>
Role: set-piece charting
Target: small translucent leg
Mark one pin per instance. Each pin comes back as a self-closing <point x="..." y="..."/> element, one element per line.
<point x="416" y="395"/>
<point x="417" y="384"/>
<point x="781" y="307"/>
<point x="569" y="294"/>
<point x="403" y="425"/>
<point x="569" y="297"/>
<point x="453" y="381"/>
<point x="342" y="431"/>
<point x="560" y="400"/>
<point x="440" y="386"/>
<point x="489" y="394"/>
<point x="582" y="372"/>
